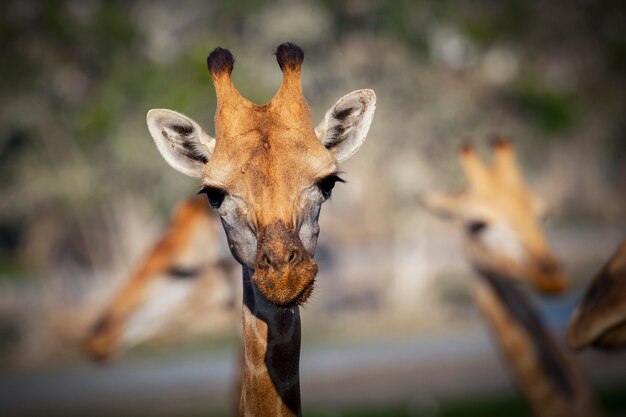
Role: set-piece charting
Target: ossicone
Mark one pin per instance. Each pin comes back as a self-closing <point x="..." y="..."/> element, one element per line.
<point x="289" y="56"/>
<point x="466" y="147"/>
<point x="220" y="61"/>
<point x="498" y="141"/>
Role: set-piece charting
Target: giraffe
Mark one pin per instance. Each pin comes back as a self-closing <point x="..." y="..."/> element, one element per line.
<point x="267" y="173"/>
<point x="505" y="244"/>
<point x="600" y="319"/>
<point x="182" y="275"/>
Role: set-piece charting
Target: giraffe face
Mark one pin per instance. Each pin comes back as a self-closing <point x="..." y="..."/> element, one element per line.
<point x="500" y="219"/>
<point x="268" y="171"/>
<point x="183" y="275"/>
<point x="269" y="199"/>
<point x="501" y="231"/>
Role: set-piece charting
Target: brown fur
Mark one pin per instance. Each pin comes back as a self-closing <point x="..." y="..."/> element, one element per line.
<point x="600" y="319"/>
<point x="283" y="267"/>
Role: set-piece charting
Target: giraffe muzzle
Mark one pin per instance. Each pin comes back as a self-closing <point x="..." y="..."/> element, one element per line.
<point x="284" y="271"/>
<point x="101" y="340"/>
<point x="548" y="276"/>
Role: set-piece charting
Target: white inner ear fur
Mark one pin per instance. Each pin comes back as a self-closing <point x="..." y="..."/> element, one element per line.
<point x="345" y="125"/>
<point x="180" y="140"/>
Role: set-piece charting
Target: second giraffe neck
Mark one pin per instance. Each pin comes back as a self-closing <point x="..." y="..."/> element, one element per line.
<point x="271" y="337"/>
<point x="545" y="374"/>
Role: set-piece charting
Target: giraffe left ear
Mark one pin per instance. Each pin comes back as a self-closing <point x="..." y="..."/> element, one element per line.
<point x="345" y="125"/>
<point x="180" y="140"/>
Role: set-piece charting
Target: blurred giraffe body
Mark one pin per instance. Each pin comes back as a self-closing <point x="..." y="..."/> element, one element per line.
<point x="505" y="244"/>
<point x="185" y="275"/>
<point x="600" y="319"/>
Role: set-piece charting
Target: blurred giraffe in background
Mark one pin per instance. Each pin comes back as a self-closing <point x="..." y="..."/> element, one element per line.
<point x="185" y="275"/>
<point x="600" y="319"/>
<point x="505" y="244"/>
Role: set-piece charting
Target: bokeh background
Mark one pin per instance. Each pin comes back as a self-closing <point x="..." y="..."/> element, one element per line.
<point x="392" y="328"/>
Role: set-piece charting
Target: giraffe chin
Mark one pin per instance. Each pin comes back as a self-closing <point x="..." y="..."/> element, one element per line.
<point x="99" y="350"/>
<point x="100" y="343"/>
<point x="549" y="284"/>
<point x="287" y="287"/>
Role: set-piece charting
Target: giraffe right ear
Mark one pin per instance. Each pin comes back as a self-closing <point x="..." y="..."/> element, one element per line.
<point x="181" y="141"/>
<point x="345" y="125"/>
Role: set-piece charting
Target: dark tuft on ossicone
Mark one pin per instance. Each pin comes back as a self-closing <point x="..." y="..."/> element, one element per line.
<point x="498" y="141"/>
<point x="103" y="324"/>
<point x="220" y="60"/>
<point x="289" y="56"/>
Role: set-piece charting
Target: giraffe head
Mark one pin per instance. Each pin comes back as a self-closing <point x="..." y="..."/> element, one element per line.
<point x="500" y="218"/>
<point x="600" y="319"/>
<point x="182" y="277"/>
<point x="268" y="170"/>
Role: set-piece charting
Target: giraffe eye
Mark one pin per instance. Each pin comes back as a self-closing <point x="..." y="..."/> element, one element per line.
<point x="214" y="195"/>
<point x="475" y="227"/>
<point x="327" y="184"/>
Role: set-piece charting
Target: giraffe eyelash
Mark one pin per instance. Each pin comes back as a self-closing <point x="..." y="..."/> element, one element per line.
<point x="214" y="195"/>
<point x="327" y="184"/>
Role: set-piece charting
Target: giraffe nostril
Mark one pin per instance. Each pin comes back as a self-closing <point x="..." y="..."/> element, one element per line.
<point x="265" y="262"/>
<point x="548" y="267"/>
<point x="294" y="257"/>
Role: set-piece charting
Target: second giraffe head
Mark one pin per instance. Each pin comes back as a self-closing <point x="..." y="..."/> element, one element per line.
<point x="500" y="216"/>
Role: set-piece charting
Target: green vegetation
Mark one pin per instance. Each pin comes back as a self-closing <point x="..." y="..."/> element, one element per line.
<point x="548" y="110"/>
<point x="82" y="76"/>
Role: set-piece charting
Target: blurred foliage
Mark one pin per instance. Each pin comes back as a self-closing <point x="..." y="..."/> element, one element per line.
<point x="549" y="110"/>
<point x="79" y="77"/>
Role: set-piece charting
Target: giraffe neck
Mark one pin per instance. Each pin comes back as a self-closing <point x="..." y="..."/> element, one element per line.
<point x="271" y="337"/>
<point x="546" y="375"/>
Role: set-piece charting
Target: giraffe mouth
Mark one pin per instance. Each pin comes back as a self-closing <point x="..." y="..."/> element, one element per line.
<point x="284" y="271"/>
<point x="303" y="295"/>
<point x="287" y="289"/>
<point x="287" y="301"/>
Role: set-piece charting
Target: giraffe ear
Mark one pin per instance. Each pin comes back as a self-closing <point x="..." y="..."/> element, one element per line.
<point x="345" y="125"/>
<point x="181" y="141"/>
<point x="444" y="205"/>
